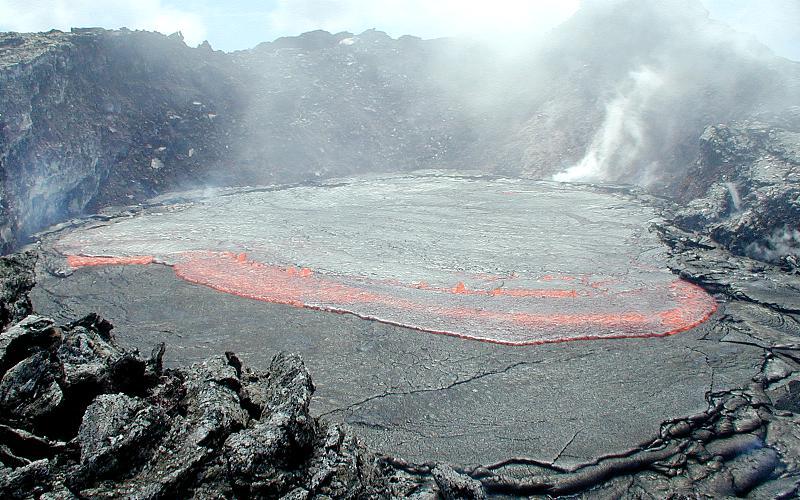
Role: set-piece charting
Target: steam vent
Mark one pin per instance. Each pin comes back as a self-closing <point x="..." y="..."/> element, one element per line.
<point x="556" y="256"/>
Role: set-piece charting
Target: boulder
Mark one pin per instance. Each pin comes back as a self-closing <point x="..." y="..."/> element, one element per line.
<point x="455" y="486"/>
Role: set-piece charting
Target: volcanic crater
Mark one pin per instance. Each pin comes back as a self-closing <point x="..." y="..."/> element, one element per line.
<point x="511" y="263"/>
<point x="539" y="337"/>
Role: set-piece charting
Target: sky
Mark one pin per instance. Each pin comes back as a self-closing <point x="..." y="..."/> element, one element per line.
<point x="240" y="24"/>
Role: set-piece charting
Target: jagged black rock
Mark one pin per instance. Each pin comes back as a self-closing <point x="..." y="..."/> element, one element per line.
<point x="81" y="417"/>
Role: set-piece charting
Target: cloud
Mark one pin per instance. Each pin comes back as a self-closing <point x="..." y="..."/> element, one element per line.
<point x="477" y="18"/>
<point x="42" y="15"/>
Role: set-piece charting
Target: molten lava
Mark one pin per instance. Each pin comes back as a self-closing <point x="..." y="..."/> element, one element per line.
<point x="439" y="253"/>
<point x="76" y="261"/>
<point x="584" y="310"/>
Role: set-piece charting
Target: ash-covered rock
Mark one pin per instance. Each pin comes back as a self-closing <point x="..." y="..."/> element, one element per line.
<point x="744" y="190"/>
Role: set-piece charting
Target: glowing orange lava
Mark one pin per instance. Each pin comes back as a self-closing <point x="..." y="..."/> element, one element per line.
<point x="512" y="316"/>
<point x="76" y="261"/>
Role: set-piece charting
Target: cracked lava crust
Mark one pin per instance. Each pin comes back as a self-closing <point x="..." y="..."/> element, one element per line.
<point x="408" y="393"/>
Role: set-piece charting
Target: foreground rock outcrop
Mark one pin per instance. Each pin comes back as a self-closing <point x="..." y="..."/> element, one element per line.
<point x="16" y="280"/>
<point x="82" y="417"/>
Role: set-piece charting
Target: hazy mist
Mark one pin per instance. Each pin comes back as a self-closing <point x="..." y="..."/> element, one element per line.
<point x="619" y="91"/>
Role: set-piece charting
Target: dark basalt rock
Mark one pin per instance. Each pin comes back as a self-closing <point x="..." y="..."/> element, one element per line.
<point x="264" y="457"/>
<point x="116" y="433"/>
<point x="215" y="429"/>
<point x="743" y="190"/>
<point x="25" y="338"/>
<point x="16" y="280"/>
<point x="27" y="481"/>
<point x="454" y="486"/>
<point x="82" y="416"/>
<point x="29" y="391"/>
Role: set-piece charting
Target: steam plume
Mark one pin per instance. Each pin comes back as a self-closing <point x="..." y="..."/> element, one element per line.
<point x="622" y="135"/>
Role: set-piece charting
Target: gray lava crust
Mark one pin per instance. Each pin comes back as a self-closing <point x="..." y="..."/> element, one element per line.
<point x="108" y="422"/>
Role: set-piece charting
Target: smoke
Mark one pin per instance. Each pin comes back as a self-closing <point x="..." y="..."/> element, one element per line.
<point x="622" y="136"/>
<point x="658" y="73"/>
<point x="155" y="15"/>
<point x="617" y="90"/>
<point x="782" y="243"/>
<point x="774" y="22"/>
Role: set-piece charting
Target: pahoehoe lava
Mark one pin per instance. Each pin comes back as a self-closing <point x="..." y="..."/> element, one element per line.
<point x="450" y="265"/>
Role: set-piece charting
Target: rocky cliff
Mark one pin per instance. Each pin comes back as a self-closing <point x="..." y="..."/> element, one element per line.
<point x="621" y="92"/>
<point x="744" y="190"/>
<point x="92" y="118"/>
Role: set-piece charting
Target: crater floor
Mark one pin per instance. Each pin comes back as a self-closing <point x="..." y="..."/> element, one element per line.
<point x="556" y="303"/>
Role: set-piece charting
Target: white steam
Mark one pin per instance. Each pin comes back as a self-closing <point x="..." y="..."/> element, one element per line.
<point x="734" y="194"/>
<point x="782" y="244"/>
<point x="621" y="137"/>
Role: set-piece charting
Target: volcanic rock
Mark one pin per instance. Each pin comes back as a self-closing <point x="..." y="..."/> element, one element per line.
<point x="218" y="428"/>
<point x="29" y="391"/>
<point x="453" y="486"/>
<point x="96" y="118"/>
<point x="78" y="106"/>
<point x="208" y="428"/>
<point x="16" y="280"/>
<point x="743" y="190"/>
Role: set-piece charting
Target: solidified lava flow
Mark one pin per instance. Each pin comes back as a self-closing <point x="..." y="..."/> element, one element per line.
<point x="408" y="251"/>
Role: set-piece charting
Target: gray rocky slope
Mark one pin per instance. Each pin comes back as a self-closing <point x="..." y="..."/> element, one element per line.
<point x="95" y="118"/>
